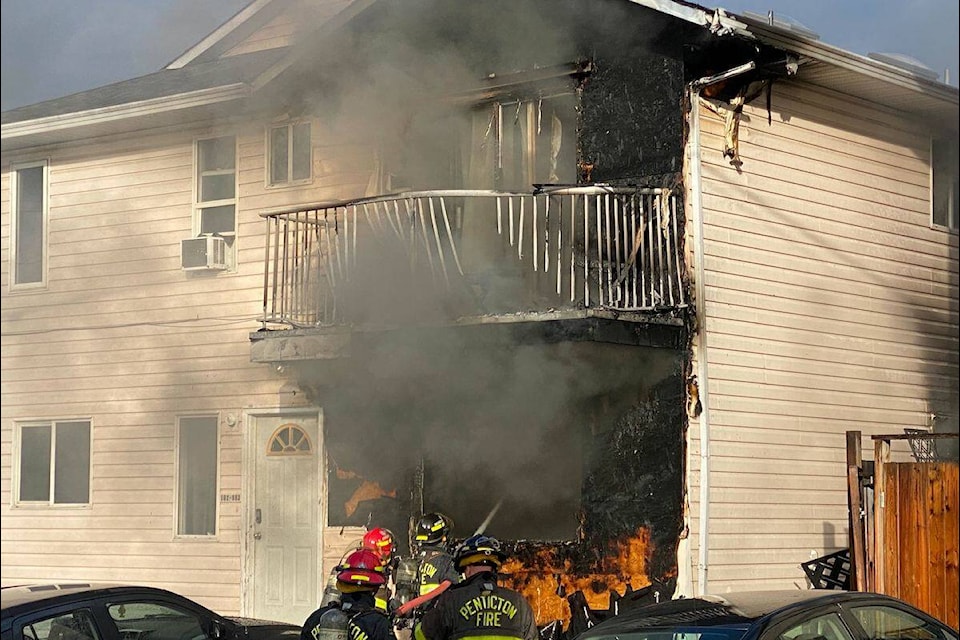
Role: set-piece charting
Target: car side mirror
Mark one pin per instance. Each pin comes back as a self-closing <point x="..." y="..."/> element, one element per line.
<point x="217" y="631"/>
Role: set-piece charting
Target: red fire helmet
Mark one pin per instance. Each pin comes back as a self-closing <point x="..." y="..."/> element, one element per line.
<point x="362" y="568"/>
<point x="380" y="541"/>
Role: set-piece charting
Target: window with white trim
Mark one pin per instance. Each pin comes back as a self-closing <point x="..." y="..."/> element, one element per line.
<point x="290" y="154"/>
<point x="28" y="185"/>
<point x="216" y="206"/>
<point x="53" y="462"/>
<point x="945" y="170"/>
<point x="197" y="475"/>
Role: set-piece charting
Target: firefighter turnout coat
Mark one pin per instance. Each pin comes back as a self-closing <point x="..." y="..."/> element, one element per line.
<point x="436" y="565"/>
<point x="479" y="609"/>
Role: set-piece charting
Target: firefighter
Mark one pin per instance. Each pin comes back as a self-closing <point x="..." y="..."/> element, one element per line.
<point x="421" y="579"/>
<point x="381" y="541"/>
<point x="477" y="607"/>
<point x="432" y="540"/>
<point x="355" y="615"/>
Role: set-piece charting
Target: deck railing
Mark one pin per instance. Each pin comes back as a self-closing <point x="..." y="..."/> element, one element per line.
<point x="596" y="246"/>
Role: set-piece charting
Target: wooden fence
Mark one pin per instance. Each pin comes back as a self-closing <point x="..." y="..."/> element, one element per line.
<point x="905" y="541"/>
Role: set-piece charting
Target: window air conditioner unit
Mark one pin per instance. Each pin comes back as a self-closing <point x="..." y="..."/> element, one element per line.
<point x="203" y="253"/>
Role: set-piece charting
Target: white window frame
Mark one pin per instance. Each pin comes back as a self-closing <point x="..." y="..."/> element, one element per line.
<point x="953" y="217"/>
<point x="18" y="457"/>
<point x="270" y="184"/>
<point x="176" y="476"/>
<point x="198" y="206"/>
<point x="14" y="215"/>
<point x="502" y="114"/>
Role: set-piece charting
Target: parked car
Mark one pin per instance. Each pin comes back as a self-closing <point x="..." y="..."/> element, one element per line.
<point x="774" y="615"/>
<point x="121" y="612"/>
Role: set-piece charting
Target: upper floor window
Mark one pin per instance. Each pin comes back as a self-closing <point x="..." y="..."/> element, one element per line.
<point x="197" y="476"/>
<point x="54" y="462"/>
<point x="524" y="142"/>
<point x="944" y="161"/>
<point x="29" y="207"/>
<point x="290" y="153"/>
<point x="216" y="188"/>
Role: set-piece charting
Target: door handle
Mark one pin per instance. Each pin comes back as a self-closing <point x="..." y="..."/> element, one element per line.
<point x="257" y="535"/>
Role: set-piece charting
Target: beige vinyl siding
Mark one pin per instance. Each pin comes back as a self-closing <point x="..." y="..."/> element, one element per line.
<point x="123" y="336"/>
<point x="337" y="541"/>
<point x="831" y="305"/>
<point x="282" y="30"/>
<point x="279" y="32"/>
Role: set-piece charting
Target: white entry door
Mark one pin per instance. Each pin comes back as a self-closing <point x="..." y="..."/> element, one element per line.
<point x="285" y="535"/>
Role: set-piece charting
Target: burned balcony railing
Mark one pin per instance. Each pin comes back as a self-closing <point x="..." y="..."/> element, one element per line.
<point x="474" y="253"/>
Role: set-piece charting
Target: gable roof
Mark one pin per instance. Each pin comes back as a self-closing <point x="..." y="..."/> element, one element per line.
<point x="167" y="97"/>
<point x="235" y="70"/>
<point x="203" y="77"/>
<point x="200" y="81"/>
<point x="241" y="25"/>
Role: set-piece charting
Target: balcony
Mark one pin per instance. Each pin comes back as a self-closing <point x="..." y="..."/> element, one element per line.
<point x="452" y="255"/>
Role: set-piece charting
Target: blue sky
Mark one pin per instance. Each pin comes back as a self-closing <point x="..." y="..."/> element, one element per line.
<point x="922" y="29"/>
<point x="51" y="48"/>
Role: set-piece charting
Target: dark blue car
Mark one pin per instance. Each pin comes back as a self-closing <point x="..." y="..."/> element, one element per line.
<point x="775" y="615"/>
<point x="121" y="612"/>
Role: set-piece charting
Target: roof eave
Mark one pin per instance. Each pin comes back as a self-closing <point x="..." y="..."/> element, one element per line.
<point x="18" y="131"/>
<point x="219" y="34"/>
<point x="840" y="58"/>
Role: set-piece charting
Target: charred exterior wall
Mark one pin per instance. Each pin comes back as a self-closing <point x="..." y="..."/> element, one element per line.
<point x="636" y="475"/>
<point x="414" y="56"/>
<point x="631" y="514"/>
<point x="631" y="121"/>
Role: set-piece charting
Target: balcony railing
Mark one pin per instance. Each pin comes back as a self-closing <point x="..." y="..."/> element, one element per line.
<point x="463" y="253"/>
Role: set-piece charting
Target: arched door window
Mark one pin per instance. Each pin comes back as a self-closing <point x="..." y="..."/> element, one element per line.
<point x="289" y="440"/>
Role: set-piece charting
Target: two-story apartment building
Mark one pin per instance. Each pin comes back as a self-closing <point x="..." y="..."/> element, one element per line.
<point x="619" y="273"/>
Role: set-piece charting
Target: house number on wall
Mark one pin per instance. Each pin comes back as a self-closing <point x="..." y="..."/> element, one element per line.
<point x="229" y="497"/>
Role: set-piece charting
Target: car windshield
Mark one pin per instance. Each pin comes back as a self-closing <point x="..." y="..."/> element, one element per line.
<point x="678" y="633"/>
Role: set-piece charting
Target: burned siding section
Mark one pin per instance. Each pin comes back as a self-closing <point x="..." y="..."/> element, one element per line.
<point x="631" y="123"/>
<point x="631" y="516"/>
<point x="636" y="475"/>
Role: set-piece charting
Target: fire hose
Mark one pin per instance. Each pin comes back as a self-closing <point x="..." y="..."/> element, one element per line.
<point x="409" y="606"/>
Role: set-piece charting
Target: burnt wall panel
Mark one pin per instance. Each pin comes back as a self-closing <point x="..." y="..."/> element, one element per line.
<point x="631" y="517"/>
<point x="636" y="476"/>
<point x="631" y="120"/>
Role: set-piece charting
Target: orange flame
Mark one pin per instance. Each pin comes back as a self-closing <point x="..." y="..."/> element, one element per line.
<point x="546" y="580"/>
<point x="367" y="491"/>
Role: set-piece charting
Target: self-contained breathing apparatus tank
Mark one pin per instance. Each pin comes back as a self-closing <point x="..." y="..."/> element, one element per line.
<point x="333" y="623"/>
<point x="405" y="580"/>
<point x="330" y="592"/>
